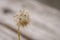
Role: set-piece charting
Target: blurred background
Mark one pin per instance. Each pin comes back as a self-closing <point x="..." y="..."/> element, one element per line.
<point x="44" y="19"/>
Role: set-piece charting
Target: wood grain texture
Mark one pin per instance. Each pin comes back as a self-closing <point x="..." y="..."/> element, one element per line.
<point x="44" y="21"/>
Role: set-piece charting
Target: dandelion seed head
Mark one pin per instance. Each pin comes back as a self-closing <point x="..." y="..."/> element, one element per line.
<point x="22" y="18"/>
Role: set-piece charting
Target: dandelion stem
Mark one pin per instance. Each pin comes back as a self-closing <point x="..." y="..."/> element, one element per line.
<point x="18" y="31"/>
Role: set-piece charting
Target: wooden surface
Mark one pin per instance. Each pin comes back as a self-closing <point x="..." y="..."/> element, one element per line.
<point x="44" y="20"/>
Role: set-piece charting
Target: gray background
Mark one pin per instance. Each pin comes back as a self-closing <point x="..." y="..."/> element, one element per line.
<point x="44" y="19"/>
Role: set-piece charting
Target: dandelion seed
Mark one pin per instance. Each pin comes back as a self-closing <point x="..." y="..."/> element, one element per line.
<point x="22" y="19"/>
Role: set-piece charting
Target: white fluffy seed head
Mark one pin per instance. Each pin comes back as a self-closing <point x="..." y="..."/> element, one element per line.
<point x="22" y="18"/>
